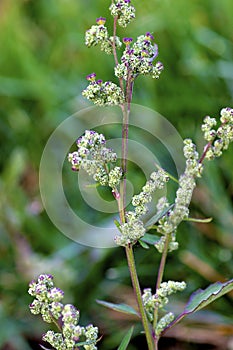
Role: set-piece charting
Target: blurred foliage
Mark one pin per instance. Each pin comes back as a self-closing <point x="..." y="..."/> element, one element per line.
<point x="43" y="64"/>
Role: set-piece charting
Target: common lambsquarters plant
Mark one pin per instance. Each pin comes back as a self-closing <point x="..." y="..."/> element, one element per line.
<point x="138" y="58"/>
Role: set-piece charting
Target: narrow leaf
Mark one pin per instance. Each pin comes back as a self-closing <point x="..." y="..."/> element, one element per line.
<point x="124" y="308"/>
<point x="88" y="342"/>
<point x="149" y="238"/>
<point x="118" y="225"/>
<point x="204" y="221"/>
<point x="202" y="298"/>
<point x="42" y="347"/>
<point x="143" y="244"/>
<point x="125" y="341"/>
<point x="158" y="216"/>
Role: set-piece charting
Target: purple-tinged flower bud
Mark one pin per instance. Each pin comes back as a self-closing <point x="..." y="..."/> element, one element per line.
<point x="159" y="66"/>
<point x="91" y="77"/>
<point x="55" y="294"/>
<point x="101" y="20"/>
<point x="149" y="36"/>
<point x="127" y="1"/>
<point x="127" y="41"/>
<point x="99" y="81"/>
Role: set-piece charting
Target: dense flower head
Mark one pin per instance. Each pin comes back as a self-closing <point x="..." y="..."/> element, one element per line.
<point x="47" y="303"/>
<point x="138" y="59"/>
<point x="220" y="137"/>
<point x="103" y="93"/>
<point x="124" y="12"/>
<point x="96" y="159"/>
<point x="98" y="35"/>
<point x="160" y="298"/>
<point x="47" y="298"/>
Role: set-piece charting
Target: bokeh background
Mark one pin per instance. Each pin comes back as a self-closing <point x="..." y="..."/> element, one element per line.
<point x="43" y="64"/>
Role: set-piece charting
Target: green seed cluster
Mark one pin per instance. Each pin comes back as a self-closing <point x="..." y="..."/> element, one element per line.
<point x="168" y="224"/>
<point x="164" y="322"/>
<point x="124" y="12"/>
<point x="96" y="159"/>
<point x="133" y="229"/>
<point x="160" y="299"/>
<point x="219" y="138"/>
<point x="47" y="302"/>
<point x="139" y="58"/>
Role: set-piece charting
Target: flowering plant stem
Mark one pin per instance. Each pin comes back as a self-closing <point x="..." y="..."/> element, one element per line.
<point x="137" y="291"/>
<point x="122" y="200"/>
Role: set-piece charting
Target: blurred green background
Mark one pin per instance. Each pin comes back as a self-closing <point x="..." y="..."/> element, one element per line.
<point x="43" y="64"/>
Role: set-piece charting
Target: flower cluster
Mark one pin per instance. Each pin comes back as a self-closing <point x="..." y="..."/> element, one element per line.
<point x="169" y="222"/>
<point x="160" y="299"/>
<point x="95" y="158"/>
<point x="133" y="229"/>
<point x="163" y="323"/>
<point x="47" y="302"/>
<point x="98" y="34"/>
<point x="103" y="93"/>
<point x="124" y="12"/>
<point x="139" y="58"/>
<point x="221" y="137"/>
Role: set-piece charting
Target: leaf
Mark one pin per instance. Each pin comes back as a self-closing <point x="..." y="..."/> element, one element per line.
<point x="124" y="308"/>
<point x="204" y="221"/>
<point x="118" y="225"/>
<point x="88" y="342"/>
<point x="150" y="238"/>
<point x="201" y="298"/>
<point x="143" y="244"/>
<point x="125" y="341"/>
<point x="158" y="216"/>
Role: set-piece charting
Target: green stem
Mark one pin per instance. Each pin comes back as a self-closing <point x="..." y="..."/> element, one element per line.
<point x="137" y="291"/>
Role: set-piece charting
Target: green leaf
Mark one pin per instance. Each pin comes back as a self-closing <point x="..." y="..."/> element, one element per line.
<point x="203" y="221"/>
<point x="88" y="342"/>
<point x="202" y="298"/>
<point x="150" y="238"/>
<point x="125" y="341"/>
<point x="158" y="216"/>
<point x="143" y="244"/>
<point x="124" y="308"/>
<point x="118" y="225"/>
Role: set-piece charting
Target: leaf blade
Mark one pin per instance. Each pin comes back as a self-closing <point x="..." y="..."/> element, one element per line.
<point x="125" y="341"/>
<point x="201" y="298"/>
<point x="124" y="308"/>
